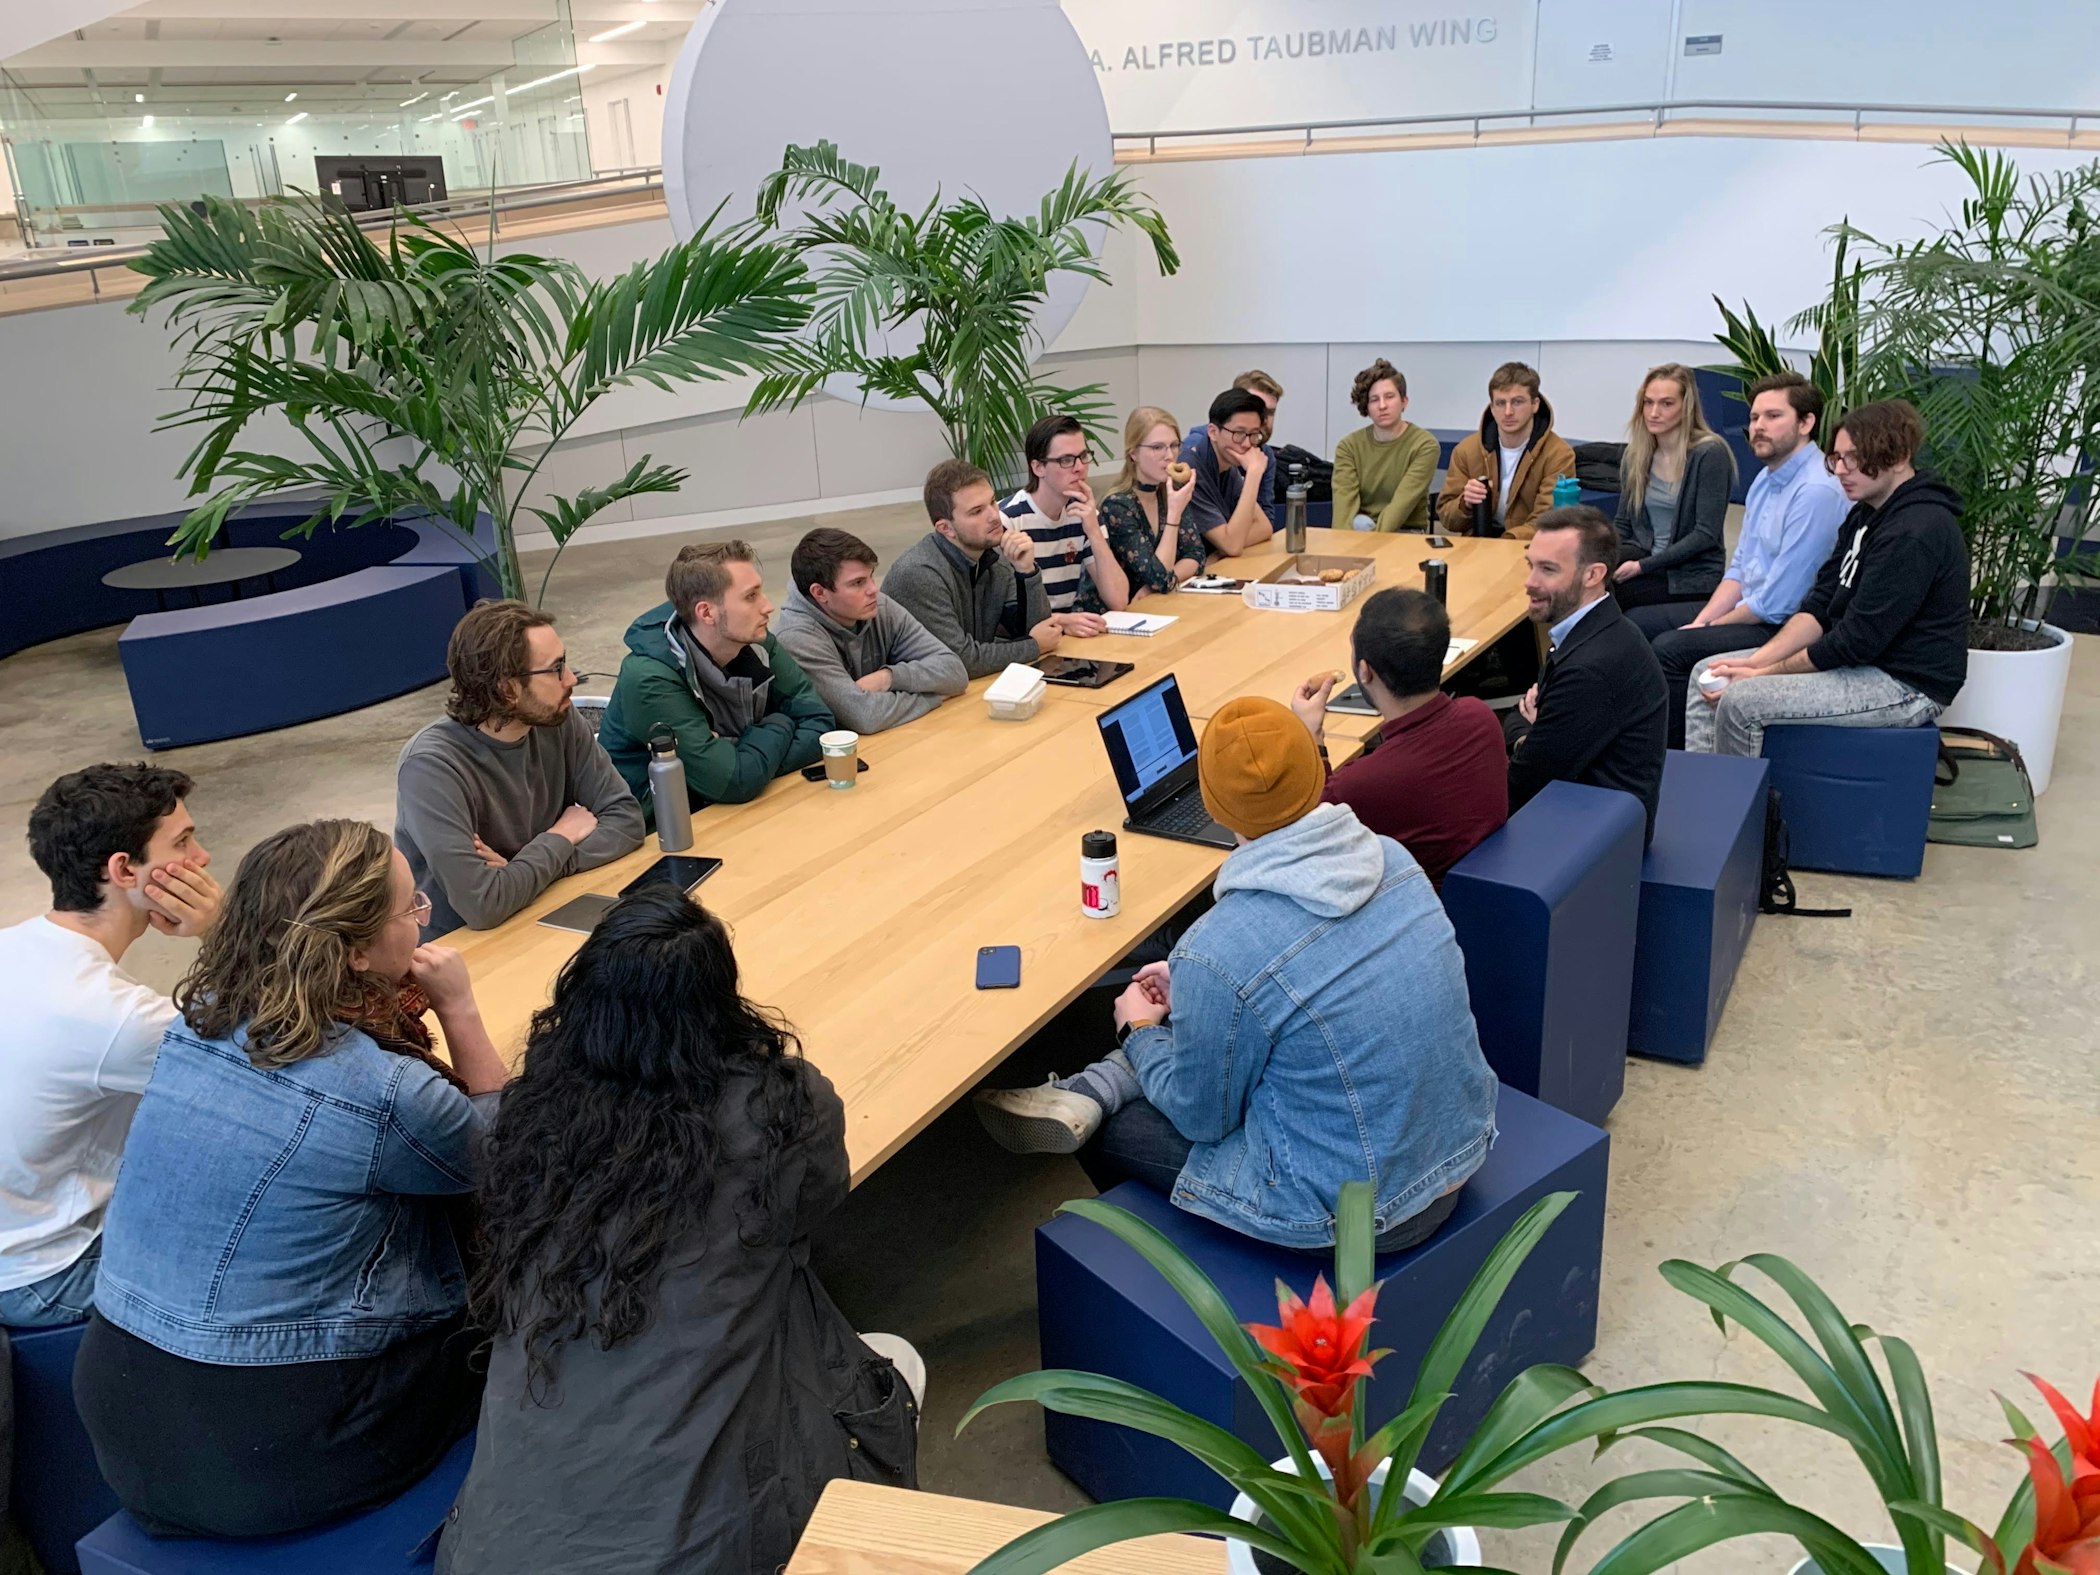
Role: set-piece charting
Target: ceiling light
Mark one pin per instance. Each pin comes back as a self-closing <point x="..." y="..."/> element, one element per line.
<point x="617" y="32"/>
<point x="146" y="121"/>
<point x="416" y="100"/>
<point x="138" y="98"/>
<point x="289" y="97"/>
<point x="427" y="119"/>
<point x="296" y="118"/>
<point x="469" y="107"/>
<point x="573" y="71"/>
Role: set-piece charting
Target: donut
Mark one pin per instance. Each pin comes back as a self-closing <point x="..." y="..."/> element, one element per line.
<point x="1333" y="576"/>
<point x="1179" y="474"/>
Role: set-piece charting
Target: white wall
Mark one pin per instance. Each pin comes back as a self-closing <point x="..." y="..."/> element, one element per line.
<point x="637" y="141"/>
<point x="1448" y="262"/>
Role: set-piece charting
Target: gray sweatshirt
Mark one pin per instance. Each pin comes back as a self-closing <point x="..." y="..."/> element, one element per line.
<point x="964" y="605"/>
<point x="834" y="654"/>
<point x="454" y="783"/>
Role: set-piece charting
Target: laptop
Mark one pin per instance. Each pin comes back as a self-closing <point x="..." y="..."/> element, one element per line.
<point x="1153" y="750"/>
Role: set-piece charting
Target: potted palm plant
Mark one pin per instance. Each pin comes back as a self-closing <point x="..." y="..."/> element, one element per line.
<point x="419" y="374"/>
<point x="1328" y="1506"/>
<point x="938" y="306"/>
<point x="1992" y="329"/>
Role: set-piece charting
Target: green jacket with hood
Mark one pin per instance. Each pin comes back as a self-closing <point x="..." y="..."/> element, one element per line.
<point x="656" y="689"/>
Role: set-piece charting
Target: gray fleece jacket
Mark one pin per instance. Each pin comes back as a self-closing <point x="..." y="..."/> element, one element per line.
<point x="834" y="655"/>
<point x="981" y="611"/>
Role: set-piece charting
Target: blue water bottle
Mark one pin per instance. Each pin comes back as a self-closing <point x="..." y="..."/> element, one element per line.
<point x="1567" y="492"/>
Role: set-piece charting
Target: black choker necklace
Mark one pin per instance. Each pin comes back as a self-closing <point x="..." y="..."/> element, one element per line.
<point x="1147" y="486"/>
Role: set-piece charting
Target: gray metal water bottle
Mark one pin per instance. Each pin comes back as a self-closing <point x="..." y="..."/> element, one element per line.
<point x="1294" y="510"/>
<point x="667" y="794"/>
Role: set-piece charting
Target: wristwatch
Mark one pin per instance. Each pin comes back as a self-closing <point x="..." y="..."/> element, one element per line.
<point x="1123" y="1034"/>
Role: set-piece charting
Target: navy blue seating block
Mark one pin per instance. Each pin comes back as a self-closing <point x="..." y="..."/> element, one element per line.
<point x="1102" y="1309"/>
<point x="1856" y="800"/>
<point x="57" y="1493"/>
<point x="225" y="671"/>
<point x="1699" y="891"/>
<point x="1727" y="412"/>
<point x="1546" y="912"/>
<point x="397" y="1537"/>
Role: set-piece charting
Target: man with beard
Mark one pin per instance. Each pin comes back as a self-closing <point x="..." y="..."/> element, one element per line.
<point x="1596" y="715"/>
<point x="510" y="791"/>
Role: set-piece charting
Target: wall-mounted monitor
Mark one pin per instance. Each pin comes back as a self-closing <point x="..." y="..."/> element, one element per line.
<point x="373" y="185"/>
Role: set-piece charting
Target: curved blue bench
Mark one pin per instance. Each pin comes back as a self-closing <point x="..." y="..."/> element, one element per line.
<point x="55" y="1493"/>
<point x="1102" y="1309"/>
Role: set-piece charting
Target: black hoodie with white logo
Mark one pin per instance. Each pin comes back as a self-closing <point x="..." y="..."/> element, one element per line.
<point x="1895" y="592"/>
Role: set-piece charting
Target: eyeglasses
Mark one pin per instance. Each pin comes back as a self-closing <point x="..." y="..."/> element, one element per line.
<point x="1244" y="435"/>
<point x="1157" y="448"/>
<point x="1066" y="461"/>
<point x="1835" y="462"/>
<point x="561" y="666"/>
<point x="419" y="910"/>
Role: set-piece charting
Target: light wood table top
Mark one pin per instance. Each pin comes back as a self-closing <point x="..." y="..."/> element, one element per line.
<point x="862" y="1529"/>
<point x="859" y="913"/>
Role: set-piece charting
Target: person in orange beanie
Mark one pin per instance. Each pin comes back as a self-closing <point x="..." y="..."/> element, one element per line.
<point x="1313" y="1028"/>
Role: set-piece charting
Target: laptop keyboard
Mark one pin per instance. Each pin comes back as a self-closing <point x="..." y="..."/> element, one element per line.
<point x="1184" y="814"/>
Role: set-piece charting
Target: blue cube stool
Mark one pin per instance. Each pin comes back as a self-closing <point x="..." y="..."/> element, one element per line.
<point x="1856" y="800"/>
<point x="1699" y="892"/>
<point x="57" y="1494"/>
<point x="398" y="1536"/>
<point x="1546" y="912"/>
<point x="1102" y="1309"/>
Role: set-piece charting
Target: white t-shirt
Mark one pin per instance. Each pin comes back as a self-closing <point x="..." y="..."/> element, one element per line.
<point x="76" y="1049"/>
<point x="1510" y="459"/>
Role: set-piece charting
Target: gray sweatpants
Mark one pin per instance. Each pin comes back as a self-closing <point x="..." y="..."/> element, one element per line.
<point x="1842" y="697"/>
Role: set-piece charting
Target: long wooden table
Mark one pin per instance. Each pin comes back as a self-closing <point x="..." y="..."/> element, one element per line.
<point x="859" y="914"/>
<point x="862" y="1529"/>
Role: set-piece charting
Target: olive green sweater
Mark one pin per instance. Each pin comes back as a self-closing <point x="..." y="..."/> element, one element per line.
<point x="1388" y="481"/>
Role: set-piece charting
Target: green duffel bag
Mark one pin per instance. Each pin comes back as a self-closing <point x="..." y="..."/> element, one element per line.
<point x="1981" y="797"/>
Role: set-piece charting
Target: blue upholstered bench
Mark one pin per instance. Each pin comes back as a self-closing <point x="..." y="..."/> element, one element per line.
<point x="1856" y="800"/>
<point x="1699" y="891"/>
<point x="57" y="1493"/>
<point x="1101" y="1308"/>
<point x="1546" y="913"/>
<point x="397" y="1537"/>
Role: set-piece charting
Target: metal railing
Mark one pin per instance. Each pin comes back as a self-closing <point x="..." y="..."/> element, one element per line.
<point x="460" y="209"/>
<point x="1655" y="114"/>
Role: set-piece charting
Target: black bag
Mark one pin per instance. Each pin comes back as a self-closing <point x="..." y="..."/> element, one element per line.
<point x="1775" y="892"/>
<point x="1597" y="465"/>
<point x="1319" y="474"/>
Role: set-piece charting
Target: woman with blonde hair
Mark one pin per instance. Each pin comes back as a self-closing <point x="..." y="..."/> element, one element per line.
<point x="1145" y="514"/>
<point x="280" y="1336"/>
<point x="1674" y="482"/>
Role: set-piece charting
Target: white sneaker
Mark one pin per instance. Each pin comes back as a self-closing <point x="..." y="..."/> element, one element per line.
<point x="1045" y="1120"/>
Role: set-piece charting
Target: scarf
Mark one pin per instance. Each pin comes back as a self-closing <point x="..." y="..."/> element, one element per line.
<point x="393" y="1018"/>
<point x="732" y="701"/>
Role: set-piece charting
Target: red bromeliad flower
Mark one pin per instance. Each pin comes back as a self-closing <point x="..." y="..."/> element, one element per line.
<point x="2066" y="1505"/>
<point x="1322" y="1350"/>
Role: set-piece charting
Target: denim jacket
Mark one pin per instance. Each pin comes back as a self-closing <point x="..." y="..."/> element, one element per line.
<point x="1321" y="1033"/>
<point x="290" y="1214"/>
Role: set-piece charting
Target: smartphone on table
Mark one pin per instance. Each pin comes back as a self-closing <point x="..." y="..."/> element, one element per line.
<point x="682" y="870"/>
<point x="815" y="773"/>
<point x="998" y="967"/>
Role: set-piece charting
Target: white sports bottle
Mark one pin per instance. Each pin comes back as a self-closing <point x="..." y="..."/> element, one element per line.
<point x="1100" y="876"/>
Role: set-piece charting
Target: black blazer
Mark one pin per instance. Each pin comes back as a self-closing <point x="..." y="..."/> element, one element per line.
<point x="1603" y="715"/>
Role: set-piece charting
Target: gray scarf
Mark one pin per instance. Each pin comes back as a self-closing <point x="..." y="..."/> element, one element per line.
<point x="733" y="700"/>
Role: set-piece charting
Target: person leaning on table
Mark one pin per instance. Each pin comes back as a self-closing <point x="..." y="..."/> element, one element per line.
<point x="1383" y="472"/>
<point x="972" y="579"/>
<point x="511" y="790"/>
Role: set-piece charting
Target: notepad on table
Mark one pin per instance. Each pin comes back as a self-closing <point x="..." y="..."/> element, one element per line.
<point x="1137" y="623"/>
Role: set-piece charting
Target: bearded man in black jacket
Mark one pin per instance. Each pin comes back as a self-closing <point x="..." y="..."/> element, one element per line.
<point x="1883" y="639"/>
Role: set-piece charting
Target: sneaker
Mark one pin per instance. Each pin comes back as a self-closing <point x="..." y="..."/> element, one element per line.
<point x="1045" y="1120"/>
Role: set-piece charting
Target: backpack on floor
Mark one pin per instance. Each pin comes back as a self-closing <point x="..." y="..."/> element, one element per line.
<point x="1319" y="473"/>
<point x="1981" y="794"/>
<point x="1775" y="892"/>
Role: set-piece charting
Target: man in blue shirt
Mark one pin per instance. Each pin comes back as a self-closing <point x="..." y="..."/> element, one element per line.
<point x="1233" y="482"/>
<point x="1790" y="525"/>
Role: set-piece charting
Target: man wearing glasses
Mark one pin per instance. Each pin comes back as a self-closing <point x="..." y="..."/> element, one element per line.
<point x="510" y="791"/>
<point x="1057" y="511"/>
<point x="1233" y="482"/>
<point x="1883" y="638"/>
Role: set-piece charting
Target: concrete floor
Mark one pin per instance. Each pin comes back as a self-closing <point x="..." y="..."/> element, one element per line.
<point x="1903" y="1102"/>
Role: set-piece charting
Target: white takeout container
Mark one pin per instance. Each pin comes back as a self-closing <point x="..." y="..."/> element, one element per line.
<point x="1016" y="694"/>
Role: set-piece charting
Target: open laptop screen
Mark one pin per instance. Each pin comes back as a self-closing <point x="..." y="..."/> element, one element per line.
<point x="1148" y="738"/>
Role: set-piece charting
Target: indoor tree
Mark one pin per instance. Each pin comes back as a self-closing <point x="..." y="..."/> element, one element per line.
<point x="957" y="283"/>
<point x="416" y="372"/>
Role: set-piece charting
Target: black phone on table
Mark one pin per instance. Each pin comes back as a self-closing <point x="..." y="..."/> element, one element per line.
<point x="683" y="870"/>
<point x="815" y="773"/>
<point x="1440" y="543"/>
<point x="998" y="967"/>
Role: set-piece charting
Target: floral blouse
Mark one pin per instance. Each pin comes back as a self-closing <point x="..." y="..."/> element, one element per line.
<point x="1135" y="543"/>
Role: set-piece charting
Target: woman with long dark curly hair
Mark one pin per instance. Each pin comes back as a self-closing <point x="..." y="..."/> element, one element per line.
<point x="670" y="1387"/>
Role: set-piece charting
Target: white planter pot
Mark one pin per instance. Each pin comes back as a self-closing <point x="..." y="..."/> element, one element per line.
<point x="1465" y="1542"/>
<point x="2018" y="695"/>
<point x="1888" y="1557"/>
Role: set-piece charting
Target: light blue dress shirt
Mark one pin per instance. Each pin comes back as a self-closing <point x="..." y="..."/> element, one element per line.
<point x="1790" y="526"/>
<point x="1559" y="632"/>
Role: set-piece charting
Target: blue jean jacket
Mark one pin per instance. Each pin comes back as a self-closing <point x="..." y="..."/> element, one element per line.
<point x="1321" y="1033"/>
<point x="290" y="1214"/>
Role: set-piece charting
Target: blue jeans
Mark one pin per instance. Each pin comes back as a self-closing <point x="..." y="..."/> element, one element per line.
<point x="1137" y="1143"/>
<point x="1841" y="697"/>
<point x="65" y="1297"/>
